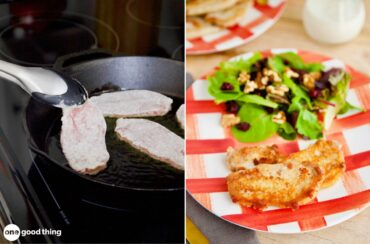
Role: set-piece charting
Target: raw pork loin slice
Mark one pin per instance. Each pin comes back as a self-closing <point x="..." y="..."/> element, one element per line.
<point x="153" y="139"/>
<point x="132" y="103"/>
<point x="180" y="116"/>
<point x="83" y="138"/>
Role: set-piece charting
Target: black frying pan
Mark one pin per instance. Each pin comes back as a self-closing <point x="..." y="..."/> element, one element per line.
<point x="140" y="181"/>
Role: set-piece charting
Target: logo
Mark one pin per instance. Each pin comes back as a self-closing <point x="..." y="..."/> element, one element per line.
<point x="12" y="232"/>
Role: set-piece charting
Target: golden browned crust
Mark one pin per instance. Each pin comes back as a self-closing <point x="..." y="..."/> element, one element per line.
<point x="282" y="185"/>
<point x="262" y="176"/>
<point x="325" y="154"/>
<point x="238" y="159"/>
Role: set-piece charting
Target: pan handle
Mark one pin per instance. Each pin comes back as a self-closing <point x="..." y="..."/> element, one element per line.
<point x="41" y="153"/>
<point x="37" y="151"/>
<point x="79" y="57"/>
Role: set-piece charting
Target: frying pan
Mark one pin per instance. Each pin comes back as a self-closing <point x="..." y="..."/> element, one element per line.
<point x="114" y="189"/>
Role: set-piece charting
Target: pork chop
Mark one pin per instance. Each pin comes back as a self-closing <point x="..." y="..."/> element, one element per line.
<point x="247" y="157"/>
<point x="153" y="139"/>
<point x="180" y="116"/>
<point x="281" y="185"/>
<point x="325" y="154"/>
<point x="83" y="138"/>
<point x="132" y="103"/>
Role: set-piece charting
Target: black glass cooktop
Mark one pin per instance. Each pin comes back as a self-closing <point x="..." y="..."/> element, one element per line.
<point x="37" y="33"/>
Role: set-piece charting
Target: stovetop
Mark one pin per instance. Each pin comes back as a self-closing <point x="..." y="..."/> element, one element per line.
<point x="37" y="32"/>
<point x="32" y="35"/>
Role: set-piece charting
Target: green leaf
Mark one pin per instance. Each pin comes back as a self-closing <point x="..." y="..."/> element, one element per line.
<point x="338" y="98"/>
<point x="314" y="67"/>
<point x="251" y="98"/>
<point x="229" y="72"/>
<point x="308" y="125"/>
<point x="300" y="96"/>
<point x="287" y="131"/>
<point x="276" y="63"/>
<point x="296" y="62"/>
<point x="261" y="125"/>
<point x="215" y="83"/>
<point x="235" y="66"/>
<point x="347" y="107"/>
<point x="296" y="105"/>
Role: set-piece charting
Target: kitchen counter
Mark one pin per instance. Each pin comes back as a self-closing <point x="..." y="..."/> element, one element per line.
<point x="289" y="32"/>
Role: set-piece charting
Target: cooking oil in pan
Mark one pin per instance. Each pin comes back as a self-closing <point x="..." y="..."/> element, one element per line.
<point x="129" y="167"/>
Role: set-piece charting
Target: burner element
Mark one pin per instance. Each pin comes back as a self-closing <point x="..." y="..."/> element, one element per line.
<point x="139" y="12"/>
<point x="178" y="53"/>
<point x="39" y="41"/>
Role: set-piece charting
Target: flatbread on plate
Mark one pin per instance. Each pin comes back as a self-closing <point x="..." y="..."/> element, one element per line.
<point x="198" y="27"/>
<point x="199" y="7"/>
<point x="229" y="17"/>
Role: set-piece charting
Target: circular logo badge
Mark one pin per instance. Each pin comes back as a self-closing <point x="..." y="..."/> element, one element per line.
<point x="11" y="232"/>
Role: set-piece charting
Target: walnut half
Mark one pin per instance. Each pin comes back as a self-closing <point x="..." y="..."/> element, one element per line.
<point x="279" y="90"/>
<point x="228" y="120"/>
<point x="309" y="79"/>
<point x="279" y="118"/>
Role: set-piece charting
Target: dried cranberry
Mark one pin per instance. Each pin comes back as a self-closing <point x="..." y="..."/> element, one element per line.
<point x="259" y="65"/>
<point x="243" y="126"/>
<point x="315" y="93"/>
<point x="269" y="110"/>
<point x="261" y="93"/>
<point x="253" y="75"/>
<point x="232" y="107"/>
<point x="300" y="73"/>
<point x="226" y="86"/>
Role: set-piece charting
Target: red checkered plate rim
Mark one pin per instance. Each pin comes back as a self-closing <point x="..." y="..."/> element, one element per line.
<point x="206" y="168"/>
<point x="258" y="19"/>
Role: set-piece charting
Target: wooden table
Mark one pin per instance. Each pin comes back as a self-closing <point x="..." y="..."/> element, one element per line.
<point x="289" y="32"/>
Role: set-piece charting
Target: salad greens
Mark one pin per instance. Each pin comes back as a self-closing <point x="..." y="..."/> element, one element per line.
<point x="257" y="118"/>
<point x="276" y="63"/>
<point x="235" y="66"/>
<point x="287" y="131"/>
<point x="216" y="83"/>
<point x="296" y="62"/>
<point x="280" y="94"/>
<point x="300" y="96"/>
<point x="255" y="99"/>
<point x="308" y="124"/>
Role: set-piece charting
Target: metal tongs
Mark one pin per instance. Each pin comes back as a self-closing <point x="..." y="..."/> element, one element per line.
<point x="45" y="85"/>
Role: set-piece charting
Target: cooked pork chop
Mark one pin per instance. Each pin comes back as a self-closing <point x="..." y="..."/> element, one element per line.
<point x="153" y="139"/>
<point x="83" y="138"/>
<point x="180" y="116"/>
<point x="132" y="103"/>
<point x="282" y="185"/>
<point x="325" y="154"/>
<point x="247" y="157"/>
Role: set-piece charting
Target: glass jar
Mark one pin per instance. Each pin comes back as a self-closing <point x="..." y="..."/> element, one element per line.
<point x="333" y="21"/>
